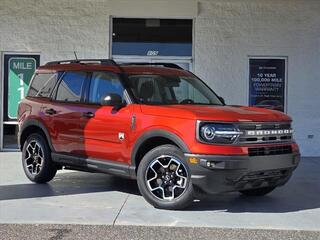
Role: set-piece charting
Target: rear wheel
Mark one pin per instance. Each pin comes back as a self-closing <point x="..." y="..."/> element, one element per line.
<point x="164" y="178"/>
<point x="36" y="159"/>
<point x="258" y="191"/>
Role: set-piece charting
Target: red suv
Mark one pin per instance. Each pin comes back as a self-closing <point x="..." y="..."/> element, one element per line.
<point x="160" y="125"/>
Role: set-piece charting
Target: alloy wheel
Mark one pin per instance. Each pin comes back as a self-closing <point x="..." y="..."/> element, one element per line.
<point x="34" y="157"/>
<point x="166" y="177"/>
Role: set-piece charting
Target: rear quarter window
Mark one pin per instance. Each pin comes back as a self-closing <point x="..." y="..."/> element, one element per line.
<point x="42" y="85"/>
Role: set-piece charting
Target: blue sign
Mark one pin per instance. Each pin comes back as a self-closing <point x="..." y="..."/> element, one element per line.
<point x="152" y="49"/>
<point x="267" y="83"/>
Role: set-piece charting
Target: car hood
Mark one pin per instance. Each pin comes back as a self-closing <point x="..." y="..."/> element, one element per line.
<point x="216" y="113"/>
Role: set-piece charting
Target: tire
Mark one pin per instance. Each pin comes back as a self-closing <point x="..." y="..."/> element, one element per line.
<point x="258" y="191"/>
<point x="36" y="159"/>
<point x="164" y="178"/>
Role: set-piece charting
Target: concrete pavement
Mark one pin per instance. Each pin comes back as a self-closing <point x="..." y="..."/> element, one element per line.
<point x="75" y="232"/>
<point x="98" y="199"/>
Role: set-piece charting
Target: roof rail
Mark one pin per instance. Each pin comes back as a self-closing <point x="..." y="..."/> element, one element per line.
<point x="168" y="65"/>
<point x="84" y="61"/>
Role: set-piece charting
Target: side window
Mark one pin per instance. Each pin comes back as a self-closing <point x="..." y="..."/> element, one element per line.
<point x="42" y="84"/>
<point x="69" y="89"/>
<point x="102" y="84"/>
<point x="145" y="88"/>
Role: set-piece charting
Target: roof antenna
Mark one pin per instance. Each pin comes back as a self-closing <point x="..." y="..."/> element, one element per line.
<point x="75" y="54"/>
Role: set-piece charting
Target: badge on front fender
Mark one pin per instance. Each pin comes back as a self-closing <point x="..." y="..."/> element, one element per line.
<point x="121" y="136"/>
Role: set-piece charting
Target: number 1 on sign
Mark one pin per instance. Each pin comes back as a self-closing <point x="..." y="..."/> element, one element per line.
<point x="21" y="88"/>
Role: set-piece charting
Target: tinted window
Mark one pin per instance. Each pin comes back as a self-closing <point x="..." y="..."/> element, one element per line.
<point x="42" y="84"/>
<point x="102" y="84"/>
<point x="70" y="87"/>
<point x="152" y="37"/>
<point x="152" y="30"/>
<point x="158" y="89"/>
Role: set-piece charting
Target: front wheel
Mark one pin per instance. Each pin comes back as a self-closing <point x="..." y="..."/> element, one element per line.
<point x="164" y="178"/>
<point x="258" y="191"/>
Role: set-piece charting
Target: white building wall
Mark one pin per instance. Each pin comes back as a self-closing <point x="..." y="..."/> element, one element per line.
<point x="57" y="28"/>
<point x="226" y="33"/>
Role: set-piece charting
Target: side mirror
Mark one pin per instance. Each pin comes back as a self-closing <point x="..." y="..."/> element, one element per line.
<point x="222" y="100"/>
<point x="112" y="99"/>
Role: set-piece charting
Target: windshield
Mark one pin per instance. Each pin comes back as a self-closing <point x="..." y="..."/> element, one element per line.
<point x="164" y="90"/>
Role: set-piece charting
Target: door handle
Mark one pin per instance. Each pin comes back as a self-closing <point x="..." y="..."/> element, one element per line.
<point x="50" y="111"/>
<point x="88" y="114"/>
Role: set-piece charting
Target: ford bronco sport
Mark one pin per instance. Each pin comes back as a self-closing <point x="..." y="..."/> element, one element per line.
<point x="160" y="125"/>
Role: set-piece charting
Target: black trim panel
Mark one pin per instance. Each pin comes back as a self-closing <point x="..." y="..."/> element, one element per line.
<point x="92" y="165"/>
<point x="221" y="173"/>
<point x="35" y="123"/>
<point x="157" y="133"/>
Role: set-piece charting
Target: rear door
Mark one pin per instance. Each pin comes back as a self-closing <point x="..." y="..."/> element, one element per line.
<point x="64" y="113"/>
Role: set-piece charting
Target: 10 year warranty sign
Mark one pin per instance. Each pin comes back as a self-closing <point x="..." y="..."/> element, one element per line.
<point x="19" y="71"/>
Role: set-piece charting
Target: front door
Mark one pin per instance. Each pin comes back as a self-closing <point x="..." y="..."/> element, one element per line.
<point x="106" y="130"/>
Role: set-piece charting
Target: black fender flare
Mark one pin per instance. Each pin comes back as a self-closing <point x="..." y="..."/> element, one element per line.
<point x="36" y="123"/>
<point x="157" y="133"/>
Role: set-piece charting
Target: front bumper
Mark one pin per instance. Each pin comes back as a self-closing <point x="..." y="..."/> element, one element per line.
<point x="215" y="174"/>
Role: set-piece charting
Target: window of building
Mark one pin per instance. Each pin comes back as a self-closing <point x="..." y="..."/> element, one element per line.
<point x="152" y="30"/>
<point x="70" y="87"/>
<point x="152" y="37"/>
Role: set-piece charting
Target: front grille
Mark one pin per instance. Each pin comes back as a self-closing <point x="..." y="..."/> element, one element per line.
<point x="265" y="151"/>
<point x="265" y="133"/>
<point x="264" y="126"/>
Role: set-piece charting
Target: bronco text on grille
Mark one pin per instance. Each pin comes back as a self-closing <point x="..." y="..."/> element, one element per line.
<point x="265" y="133"/>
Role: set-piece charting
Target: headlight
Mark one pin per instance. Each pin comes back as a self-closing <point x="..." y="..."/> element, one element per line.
<point x="208" y="132"/>
<point x="219" y="133"/>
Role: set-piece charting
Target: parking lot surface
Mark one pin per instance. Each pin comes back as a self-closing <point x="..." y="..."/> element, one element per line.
<point x="94" y="232"/>
<point x="98" y="199"/>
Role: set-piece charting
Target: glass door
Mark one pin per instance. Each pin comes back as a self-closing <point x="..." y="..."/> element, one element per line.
<point x="152" y="41"/>
<point x="17" y="71"/>
<point x="184" y="63"/>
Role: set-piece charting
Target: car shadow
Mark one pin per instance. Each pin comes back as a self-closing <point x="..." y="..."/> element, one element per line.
<point x="70" y="183"/>
<point x="283" y="200"/>
<point x="301" y="193"/>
